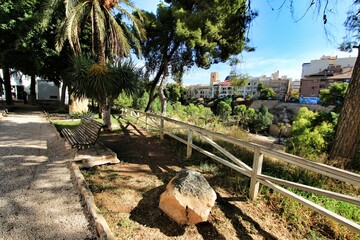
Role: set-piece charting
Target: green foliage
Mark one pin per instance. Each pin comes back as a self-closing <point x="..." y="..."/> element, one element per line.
<point x="139" y="101"/>
<point x="260" y="86"/>
<point x="261" y="120"/>
<point x="352" y="24"/>
<point x="198" y="115"/>
<point x="239" y="80"/>
<point x="103" y="82"/>
<point x="311" y="134"/>
<point x="110" y="35"/>
<point x="156" y="106"/>
<point x="244" y="116"/>
<point x="223" y="109"/>
<point x="294" y="94"/>
<point x="124" y="100"/>
<point x="187" y="33"/>
<point x="175" y="92"/>
<point x="267" y="93"/>
<point x="334" y="95"/>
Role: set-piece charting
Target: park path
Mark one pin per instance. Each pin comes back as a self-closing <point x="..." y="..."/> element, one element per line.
<point x="37" y="197"/>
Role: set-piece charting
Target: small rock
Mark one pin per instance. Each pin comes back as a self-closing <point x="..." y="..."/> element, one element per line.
<point x="188" y="198"/>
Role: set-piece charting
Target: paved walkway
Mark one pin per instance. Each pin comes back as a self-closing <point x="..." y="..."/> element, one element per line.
<point x="37" y="197"/>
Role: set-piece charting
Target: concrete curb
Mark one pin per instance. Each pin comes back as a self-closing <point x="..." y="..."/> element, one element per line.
<point x="87" y="197"/>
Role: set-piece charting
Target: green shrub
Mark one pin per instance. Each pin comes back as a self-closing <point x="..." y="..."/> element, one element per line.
<point x="310" y="134"/>
<point x="223" y="110"/>
<point x="261" y="120"/>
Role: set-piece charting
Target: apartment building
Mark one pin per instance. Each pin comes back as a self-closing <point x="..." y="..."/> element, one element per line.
<point x="218" y="88"/>
<point x="318" y="65"/>
<point x="320" y="73"/>
<point x="312" y="84"/>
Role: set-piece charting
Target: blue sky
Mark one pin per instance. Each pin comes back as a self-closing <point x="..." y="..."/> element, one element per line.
<point x="282" y="43"/>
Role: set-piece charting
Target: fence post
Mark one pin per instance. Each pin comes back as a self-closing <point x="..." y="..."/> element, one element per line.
<point x="257" y="166"/>
<point x="189" y="148"/>
<point x="161" y="128"/>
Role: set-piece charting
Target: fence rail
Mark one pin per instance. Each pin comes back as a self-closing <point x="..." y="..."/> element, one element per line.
<point x="254" y="172"/>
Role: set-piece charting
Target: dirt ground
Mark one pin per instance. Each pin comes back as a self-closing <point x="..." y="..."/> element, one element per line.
<point x="128" y="195"/>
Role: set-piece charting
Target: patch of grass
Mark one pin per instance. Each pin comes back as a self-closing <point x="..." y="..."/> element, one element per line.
<point x="60" y="124"/>
<point x="126" y="223"/>
<point x="209" y="168"/>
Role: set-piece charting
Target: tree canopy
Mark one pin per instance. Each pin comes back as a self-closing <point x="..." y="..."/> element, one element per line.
<point x="187" y="33"/>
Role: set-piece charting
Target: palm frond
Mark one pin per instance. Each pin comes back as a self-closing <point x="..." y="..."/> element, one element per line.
<point x="100" y="19"/>
<point x="77" y="15"/>
<point x="117" y="39"/>
<point x="139" y="29"/>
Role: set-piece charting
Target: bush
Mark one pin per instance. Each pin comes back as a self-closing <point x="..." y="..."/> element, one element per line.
<point x="261" y="120"/>
<point x="310" y="135"/>
<point x="223" y="110"/>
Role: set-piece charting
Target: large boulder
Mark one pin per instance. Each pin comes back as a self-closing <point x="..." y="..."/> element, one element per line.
<point x="188" y="198"/>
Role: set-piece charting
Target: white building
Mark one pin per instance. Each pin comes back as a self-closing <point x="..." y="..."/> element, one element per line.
<point x="20" y="82"/>
<point x="324" y="62"/>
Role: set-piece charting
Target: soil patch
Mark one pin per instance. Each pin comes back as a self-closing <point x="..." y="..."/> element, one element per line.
<point x="128" y="195"/>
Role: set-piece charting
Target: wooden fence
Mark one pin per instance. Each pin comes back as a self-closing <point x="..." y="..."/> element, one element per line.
<point x="254" y="172"/>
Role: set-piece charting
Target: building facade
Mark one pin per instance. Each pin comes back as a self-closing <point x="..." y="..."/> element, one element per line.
<point x="218" y="88"/>
<point x="319" y="65"/>
<point x="321" y="73"/>
<point x="311" y="85"/>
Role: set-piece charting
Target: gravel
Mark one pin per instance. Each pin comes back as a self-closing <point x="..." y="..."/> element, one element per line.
<point x="37" y="197"/>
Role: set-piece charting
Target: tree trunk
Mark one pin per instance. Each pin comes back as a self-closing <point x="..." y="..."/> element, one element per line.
<point x="161" y="89"/>
<point x="78" y="106"/>
<point x="106" y="116"/>
<point x="152" y="94"/>
<point x="62" y="97"/>
<point x="162" y="95"/>
<point x="347" y="135"/>
<point x="162" y="70"/>
<point x="7" y="83"/>
<point x="32" y="96"/>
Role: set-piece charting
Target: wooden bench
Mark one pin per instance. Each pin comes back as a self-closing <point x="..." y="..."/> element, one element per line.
<point x="84" y="135"/>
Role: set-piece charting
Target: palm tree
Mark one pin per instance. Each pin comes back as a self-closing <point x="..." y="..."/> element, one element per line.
<point x="109" y="37"/>
<point x="103" y="83"/>
<point x="108" y="34"/>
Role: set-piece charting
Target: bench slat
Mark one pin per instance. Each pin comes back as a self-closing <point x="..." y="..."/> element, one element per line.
<point x="84" y="135"/>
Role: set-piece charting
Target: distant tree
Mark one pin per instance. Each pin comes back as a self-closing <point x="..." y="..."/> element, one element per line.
<point x="294" y="94"/>
<point x="20" y="45"/>
<point x="223" y="110"/>
<point x="244" y="116"/>
<point x="310" y="134"/>
<point x="261" y="120"/>
<point x="140" y="101"/>
<point x="267" y="93"/>
<point x="174" y="92"/>
<point x="260" y="87"/>
<point x="187" y="33"/>
<point x="334" y="95"/>
<point x="238" y="81"/>
<point x="123" y="100"/>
